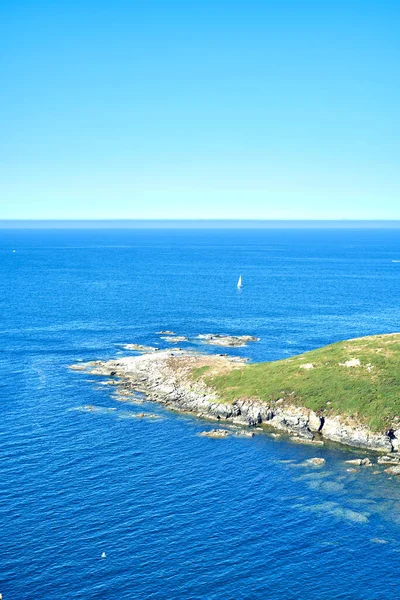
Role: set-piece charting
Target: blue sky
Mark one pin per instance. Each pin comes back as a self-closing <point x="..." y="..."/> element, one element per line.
<point x="255" y="110"/>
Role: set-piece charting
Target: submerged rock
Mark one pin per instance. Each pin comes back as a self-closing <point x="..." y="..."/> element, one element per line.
<point x="338" y="511"/>
<point x="143" y="415"/>
<point x="93" y="408"/>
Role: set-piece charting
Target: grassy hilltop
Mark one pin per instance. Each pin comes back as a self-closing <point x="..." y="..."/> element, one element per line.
<point x="358" y="378"/>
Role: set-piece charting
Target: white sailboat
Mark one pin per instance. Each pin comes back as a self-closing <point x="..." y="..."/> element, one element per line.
<point x="239" y="283"/>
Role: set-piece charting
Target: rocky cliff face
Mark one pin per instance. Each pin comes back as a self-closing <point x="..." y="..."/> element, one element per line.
<point x="165" y="377"/>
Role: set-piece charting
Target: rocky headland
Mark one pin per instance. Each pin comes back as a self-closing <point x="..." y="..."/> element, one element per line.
<point x="214" y="387"/>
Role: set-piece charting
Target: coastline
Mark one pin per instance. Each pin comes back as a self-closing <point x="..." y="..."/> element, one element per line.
<point x="166" y="377"/>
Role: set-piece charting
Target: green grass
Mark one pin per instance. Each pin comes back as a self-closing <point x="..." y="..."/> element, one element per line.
<point x="198" y="372"/>
<point x="370" y="392"/>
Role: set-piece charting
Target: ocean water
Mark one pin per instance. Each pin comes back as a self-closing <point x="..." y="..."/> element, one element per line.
<point x="181" y="516"/>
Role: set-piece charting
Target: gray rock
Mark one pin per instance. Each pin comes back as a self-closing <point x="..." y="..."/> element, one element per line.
<point x="335" y="430"/>
<point x="232" y="341"/>
<point x="389" y="460"/>
<point x="314" y="422"/>
<point x="395" y="439"/>
<point x="317" y="462"/>
<point x="300" y="440"/>
<point x="216" y="433"/>
<point x="393" y="470"/>
<point x="140" y="348"/>
<point x="360" y="462"/>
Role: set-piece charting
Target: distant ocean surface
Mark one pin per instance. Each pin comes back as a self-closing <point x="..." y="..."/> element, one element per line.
<point x="181" y="516"/>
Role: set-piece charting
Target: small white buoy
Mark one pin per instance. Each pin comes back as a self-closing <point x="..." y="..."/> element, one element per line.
<point x="13" y="251"/>
<point x="103" y="555"/>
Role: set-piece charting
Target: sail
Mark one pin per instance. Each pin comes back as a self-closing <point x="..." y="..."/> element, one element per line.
<point x="239" y="284"/>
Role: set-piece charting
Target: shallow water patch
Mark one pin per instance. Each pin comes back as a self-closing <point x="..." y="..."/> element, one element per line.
<point x="336" y="510"/>
<point x="326" y="486"/>
<point x="91" y="408"/>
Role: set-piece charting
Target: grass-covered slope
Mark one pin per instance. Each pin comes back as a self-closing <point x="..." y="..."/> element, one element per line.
<point x="359" y="378"/>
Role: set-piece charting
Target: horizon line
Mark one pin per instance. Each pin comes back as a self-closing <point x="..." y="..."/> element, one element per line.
<point x="196" y="223"/>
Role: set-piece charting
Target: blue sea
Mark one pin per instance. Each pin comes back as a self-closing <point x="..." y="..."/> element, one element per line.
<point x="180" y="516"/>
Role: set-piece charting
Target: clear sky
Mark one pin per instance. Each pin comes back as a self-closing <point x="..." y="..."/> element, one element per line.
<point x="164" y="109"/>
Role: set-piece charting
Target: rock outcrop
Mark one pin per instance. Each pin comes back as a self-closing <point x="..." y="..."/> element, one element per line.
<point x="216" y="433"/>
<point x="393" y="470"/>
<point x="140" y="348"/>
<point x="317" y="462"/>
<point x="337" y="430"/>
<point x="360" y="462"/>
<point x="394" y="459"/>
<point x="231" y="341"/>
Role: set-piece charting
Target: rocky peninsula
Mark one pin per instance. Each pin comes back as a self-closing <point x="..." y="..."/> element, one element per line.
<point x="348" y="392"/>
